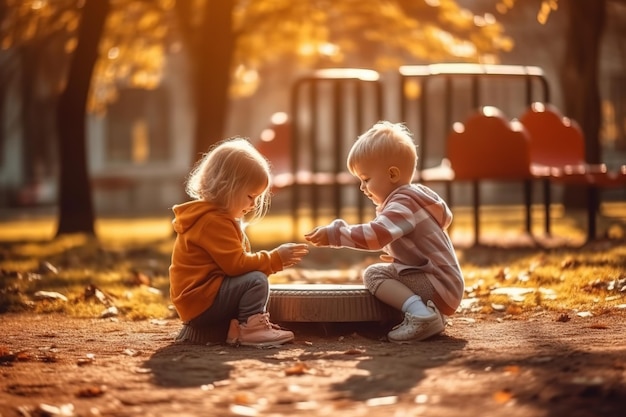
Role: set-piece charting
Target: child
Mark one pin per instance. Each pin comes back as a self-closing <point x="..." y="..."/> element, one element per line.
<point x="423" y="278"/>
<point x="214" y="276"/>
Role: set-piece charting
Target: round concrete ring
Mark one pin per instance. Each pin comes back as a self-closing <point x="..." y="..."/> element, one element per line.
<point x="327" y="303"/>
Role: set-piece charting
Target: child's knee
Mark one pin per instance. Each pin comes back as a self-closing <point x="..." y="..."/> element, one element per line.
<point x="372" y="278"/>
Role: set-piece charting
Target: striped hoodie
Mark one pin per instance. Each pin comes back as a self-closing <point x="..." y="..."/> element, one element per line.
<point x="410" y="226"/>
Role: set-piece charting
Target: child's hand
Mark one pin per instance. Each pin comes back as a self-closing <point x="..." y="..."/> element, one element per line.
<point x="386" y="258"/>
<point x="292" y="253"/>
<point x="317" y="236"/>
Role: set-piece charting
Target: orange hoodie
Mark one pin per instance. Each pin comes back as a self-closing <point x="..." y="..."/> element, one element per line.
<point x="209" y="247"/>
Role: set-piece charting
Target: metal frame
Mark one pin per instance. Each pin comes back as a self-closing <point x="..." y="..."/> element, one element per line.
<point x="340" y="80"/>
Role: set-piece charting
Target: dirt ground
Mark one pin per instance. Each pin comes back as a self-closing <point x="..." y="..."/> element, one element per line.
<point x="537" y="365"/>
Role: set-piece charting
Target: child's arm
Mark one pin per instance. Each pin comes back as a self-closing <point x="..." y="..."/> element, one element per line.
<point x="317" y="236"/>
<point x="393" y="222"/>
<point x="292" y="253"/>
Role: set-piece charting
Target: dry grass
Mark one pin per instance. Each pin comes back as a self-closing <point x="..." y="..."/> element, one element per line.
<point x="127" y="268"/>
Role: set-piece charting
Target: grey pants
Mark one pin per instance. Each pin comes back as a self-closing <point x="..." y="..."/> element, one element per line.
<point x="238" y="297"/>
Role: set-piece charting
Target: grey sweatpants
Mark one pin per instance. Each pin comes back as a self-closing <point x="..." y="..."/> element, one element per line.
<point x="238" y="297"/>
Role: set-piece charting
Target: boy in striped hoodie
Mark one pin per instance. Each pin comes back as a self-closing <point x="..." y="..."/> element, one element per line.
<point x="421" y="275"/>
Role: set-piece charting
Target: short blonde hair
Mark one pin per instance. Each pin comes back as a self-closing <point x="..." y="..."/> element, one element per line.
<point x="230" y="166"/>
<point x="388" y="143"/>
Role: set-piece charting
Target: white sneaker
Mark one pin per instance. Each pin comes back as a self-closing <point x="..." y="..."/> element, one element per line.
<point x="414" y="328"/>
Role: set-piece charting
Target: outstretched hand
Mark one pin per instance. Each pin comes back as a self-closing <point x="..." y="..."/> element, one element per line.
<point x="292" y="253"/>
<point x="317" y="237"/>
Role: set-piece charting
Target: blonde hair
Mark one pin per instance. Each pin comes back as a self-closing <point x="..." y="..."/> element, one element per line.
<point x="385" y="142"/>
<point x="231" y="166"/>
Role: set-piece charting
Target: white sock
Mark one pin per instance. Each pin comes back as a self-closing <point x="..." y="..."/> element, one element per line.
<point x="416" y="307"/>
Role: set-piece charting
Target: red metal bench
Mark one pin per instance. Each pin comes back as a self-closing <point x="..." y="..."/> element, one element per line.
<point x="557" y="153"/>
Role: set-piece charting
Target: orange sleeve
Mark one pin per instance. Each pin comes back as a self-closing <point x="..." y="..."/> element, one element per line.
<point x="225" y="242"/>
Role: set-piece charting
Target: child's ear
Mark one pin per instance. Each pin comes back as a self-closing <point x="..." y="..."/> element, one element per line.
<point x="394" y="174"/>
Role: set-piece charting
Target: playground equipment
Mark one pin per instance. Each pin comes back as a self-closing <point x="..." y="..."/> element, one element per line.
<point x="463" y="89"/>
<point x="557" y="153"/>
<point x="329" y="109"/>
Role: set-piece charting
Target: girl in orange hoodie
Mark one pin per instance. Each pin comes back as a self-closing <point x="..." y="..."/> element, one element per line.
<point x="215" y="278"/>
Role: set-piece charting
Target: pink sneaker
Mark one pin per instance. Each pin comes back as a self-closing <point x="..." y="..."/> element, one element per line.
<point x="232" y="338"/>
<point x="259" y="332"/>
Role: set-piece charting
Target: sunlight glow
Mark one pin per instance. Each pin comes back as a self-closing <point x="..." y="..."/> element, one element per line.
<point x="463" y="49"/>
<point x="538" y="107"/>
<point x="345" y="73"/>
<point x="268" y="135"/>
<point x="484" y="20"/>
<point x="114" y="53"/>
<point x="38" y="4"/>
<point x="140" y="142"/>
<point x="306" y="49"/>
<point x="412" y="90"/>
<point x="491" y="111"/>
<point x="279" y="118"/>
<point x="517" y="126"/>
<point x="328" y="49"/>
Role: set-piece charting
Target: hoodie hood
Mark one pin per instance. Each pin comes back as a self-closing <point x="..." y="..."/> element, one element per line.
<point x="187" y="214"/>
<point x="429" y="201"/>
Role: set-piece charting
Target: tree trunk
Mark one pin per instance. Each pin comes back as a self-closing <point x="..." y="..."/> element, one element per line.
<point x="580" y="82"/>
<point x="211" y="61"/>
<point x="579" y="74"/>
<point x="76" y="212"/>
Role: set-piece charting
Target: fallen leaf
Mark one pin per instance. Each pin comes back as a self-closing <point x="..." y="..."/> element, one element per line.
<point x="563" y="318"/>
<point x="243" y="398"/>
<point x="6" y="355"/>
<point x="243" y="410"/>
<point x="501" y="275"/>
<point x="375" y="402"/>
<point x="512" y="369"/>
<point x="569" y="262"/>
<point x="93" y="291"/>
<point x="354" y="351"/>
<point x="23" y="356"/>
<point x="49" y="295"/>
<point x="421" y="399"/>
<point x="109" y="312"/>
<point x="540" y="359"/>
<point x="514" y="309"/>
<point x="45" y="267"/>
<point x="512" y="291"/>
<point x="503" y="396"/>
<point x="66" y="410"/>
<point x="90" y="392"/>
<point x="84" y="361"/>
<point x="139" y="278"/>
<point x="299" y="368"/>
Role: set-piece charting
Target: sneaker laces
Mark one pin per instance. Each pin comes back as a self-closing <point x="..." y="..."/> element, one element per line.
<point x="265" y="319"/>
<point x="404" y="321"/>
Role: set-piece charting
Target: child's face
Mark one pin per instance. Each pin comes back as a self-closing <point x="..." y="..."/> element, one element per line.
<point x="377" y="180"/>
<point x="244" y="201"/>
